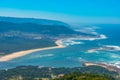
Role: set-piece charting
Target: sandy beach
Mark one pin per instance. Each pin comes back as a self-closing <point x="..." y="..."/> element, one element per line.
<point x="23" y="53"/>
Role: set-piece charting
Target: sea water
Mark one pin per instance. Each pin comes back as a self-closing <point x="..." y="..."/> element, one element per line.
<point x="77" y="51"/>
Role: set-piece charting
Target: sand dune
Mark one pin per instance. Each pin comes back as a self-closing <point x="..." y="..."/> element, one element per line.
<point x="23" y="53"/>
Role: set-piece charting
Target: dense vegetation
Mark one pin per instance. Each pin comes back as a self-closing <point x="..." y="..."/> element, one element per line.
<point x="85" y="76"/>
<point x="36" y="72"/>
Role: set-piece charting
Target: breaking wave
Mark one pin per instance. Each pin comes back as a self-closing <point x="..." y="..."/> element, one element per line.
<point x="67" y="42"/>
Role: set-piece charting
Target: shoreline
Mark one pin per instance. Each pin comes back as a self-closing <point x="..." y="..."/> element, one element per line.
<point x="26" y="52"/>
<point x="107" y="66"/>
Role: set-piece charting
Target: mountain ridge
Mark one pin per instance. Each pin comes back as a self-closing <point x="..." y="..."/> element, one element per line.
<point x="32" y="20"/>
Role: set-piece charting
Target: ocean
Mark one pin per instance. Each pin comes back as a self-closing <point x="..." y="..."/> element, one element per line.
<point x="77" y="51"/>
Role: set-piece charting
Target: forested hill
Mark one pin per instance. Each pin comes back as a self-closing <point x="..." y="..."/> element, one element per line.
<point x="48" y="73"/>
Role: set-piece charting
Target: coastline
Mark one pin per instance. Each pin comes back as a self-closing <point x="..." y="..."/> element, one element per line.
<point x="23" y="53"/>
<point x="107" y="66"/>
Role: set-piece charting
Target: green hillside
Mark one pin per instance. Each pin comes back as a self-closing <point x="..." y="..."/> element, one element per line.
<point x="38" y="73"/>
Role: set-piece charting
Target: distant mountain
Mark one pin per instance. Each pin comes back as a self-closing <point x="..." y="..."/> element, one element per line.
<point x="32" y="20"/>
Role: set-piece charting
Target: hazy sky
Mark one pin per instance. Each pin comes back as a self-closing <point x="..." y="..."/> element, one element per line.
<point x="72" y="11"/>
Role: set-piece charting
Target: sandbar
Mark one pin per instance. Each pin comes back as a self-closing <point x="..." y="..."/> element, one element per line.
<point x="26" y="52"/>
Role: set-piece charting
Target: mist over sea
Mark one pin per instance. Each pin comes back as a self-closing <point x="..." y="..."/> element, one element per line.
<point x="105" y="50"/>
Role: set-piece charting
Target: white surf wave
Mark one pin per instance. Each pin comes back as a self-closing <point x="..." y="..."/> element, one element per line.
<point x="113" y="47"/>
<point x="105" y="48"/>
<point x="67" y="42"/>
<point x="91" y="30"/>
<point x="116" y="63"/>
<point x="73" y="41"/>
